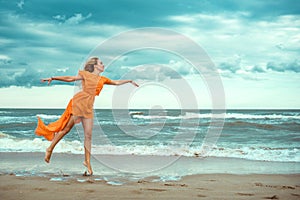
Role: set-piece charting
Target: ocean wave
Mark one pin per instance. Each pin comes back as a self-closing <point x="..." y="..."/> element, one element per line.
<point x="192" y="115"/>
<point x="25" y="119"/>
<point x="4" y="135"/>
<point x="292" y="126"/>
<point x="4" y="112"/>
<point x="17" y="124"/>
<point x="250" y="124"/>
<point x="10" y="144"/>
<point x="187" y="115"/>
<point x="250" y="153"/>
<point x="44" y="116"/>
<point x="279" y="154"/>
<point x="259" y="153"/>
<point x="260" y="116"/>
<point x="16" y="119"/>
<point x="136" y="113"/>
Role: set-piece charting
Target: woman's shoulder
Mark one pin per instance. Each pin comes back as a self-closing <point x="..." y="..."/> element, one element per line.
<point x="85" y="73"/>
<point x="105" y="79"/>
<point x="81" y="72"/>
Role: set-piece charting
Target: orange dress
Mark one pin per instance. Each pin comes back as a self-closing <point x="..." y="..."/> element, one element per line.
<point x="80" y="105"/>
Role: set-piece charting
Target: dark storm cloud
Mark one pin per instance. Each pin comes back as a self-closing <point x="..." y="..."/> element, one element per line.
<point x="231" y="67"/>
<point x="283" y="67"/>
<point x="136" y="13"/>
<point x="28" y="77"/>
<point x="257" y="69"/>
<point x="152" y="73"/>
<point x="41" y="38"/>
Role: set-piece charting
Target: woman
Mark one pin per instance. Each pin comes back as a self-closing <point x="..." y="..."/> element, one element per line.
<point x="79" y="109"/>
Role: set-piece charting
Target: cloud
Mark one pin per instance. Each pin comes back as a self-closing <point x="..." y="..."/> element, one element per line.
<point x="232" y="66"/>
<point x="283" y="67"/>
<point x="4" y="60"/>
<point x="256" y="39"/>
<point x="156" y="71"/>
<point x="54" y="39"/>
<point x="153" y="73"/>
<point x="52" y="49"/>
<point x="257" y="69"/>
<point x="136" y="13"/>
<point x="29" y="77"/>
<point x="26" y="78"/>
<point x="21" y="4"/>
<point x="148" y="63"/>
<point x="60" y="17"/>
<point x="76" y="19"/>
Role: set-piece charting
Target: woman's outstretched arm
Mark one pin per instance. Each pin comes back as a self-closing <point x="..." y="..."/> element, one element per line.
<point x="62" y="78"/>
<point x="121" y="82"/>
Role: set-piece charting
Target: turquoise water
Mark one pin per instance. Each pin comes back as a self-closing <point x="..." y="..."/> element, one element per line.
<point x="262" y="135"/>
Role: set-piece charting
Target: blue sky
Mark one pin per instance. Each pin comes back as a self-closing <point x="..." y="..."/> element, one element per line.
<point x="255" y="45"/>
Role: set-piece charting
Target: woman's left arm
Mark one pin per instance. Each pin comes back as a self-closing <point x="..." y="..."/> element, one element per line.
<point x="62" y="78"/>
<point x="122" y="82"/>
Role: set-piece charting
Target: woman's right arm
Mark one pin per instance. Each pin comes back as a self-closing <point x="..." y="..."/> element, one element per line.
<point x="62" y="78"/>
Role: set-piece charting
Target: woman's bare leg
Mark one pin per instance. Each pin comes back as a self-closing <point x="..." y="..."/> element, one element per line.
<point x="58" y="136"/>
<point x="88" y="127"/>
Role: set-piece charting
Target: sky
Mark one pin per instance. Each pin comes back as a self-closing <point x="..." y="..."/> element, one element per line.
<point x="254" y="47"/>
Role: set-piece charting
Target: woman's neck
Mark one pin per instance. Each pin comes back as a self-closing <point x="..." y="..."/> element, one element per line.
<point x="96" y="72"/>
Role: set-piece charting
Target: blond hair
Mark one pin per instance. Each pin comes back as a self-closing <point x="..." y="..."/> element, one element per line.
<point x="90" y="64"/>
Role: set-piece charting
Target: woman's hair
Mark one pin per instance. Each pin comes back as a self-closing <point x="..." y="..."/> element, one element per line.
<point x="89" y="65"/>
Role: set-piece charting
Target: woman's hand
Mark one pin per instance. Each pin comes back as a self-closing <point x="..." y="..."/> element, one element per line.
<point x="122" y="82"/>
<point x="49" y="80"/>
<point x="134" y="83"/>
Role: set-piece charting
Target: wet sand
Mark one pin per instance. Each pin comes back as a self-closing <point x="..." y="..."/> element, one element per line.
<point x="26" y="176"/>
<point x="208" y="186"/>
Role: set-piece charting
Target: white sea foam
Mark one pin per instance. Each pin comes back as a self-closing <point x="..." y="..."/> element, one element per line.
<point x="15" y="119"/>
<point x="258" y="153"/>
<point x="191" y="115"/>
<point x="136" y="113"/>
<point x="188" y="115"/>
<point x="3" y="135"/>
<point x="25" y="119"/>
<point x="10" y="144"/>
<point x="43" y="116"/>
<point x="5" y="112"/>
<point x="251" y="116"/>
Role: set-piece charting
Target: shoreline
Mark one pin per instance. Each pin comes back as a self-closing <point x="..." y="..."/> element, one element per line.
<point x="205" y="186"/>
<point x="139" y="166"/>
<point x="26" y="176"/>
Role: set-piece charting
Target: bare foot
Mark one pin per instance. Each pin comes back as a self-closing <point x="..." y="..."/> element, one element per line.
<point x="89" y="171"/>
<point x="48" y="155"/>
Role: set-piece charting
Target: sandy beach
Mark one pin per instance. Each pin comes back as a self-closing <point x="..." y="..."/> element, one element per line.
<point x="27" y="176"/>
<point x="208" y="186"/>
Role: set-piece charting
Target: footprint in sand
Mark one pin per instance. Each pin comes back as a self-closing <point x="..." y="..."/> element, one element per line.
<point x="172" y="184"/>
<point x="156" y="189"/>
<point x="272" y="197"/>
<point x="296" y="195"/>
<point x="288" y="187"/>
<point x="244" y="194"/>
<point x="40" y="189"/>
<point x="259" y="184"/>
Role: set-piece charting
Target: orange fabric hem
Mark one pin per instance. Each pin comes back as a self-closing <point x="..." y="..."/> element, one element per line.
<point x="48" y="131"/>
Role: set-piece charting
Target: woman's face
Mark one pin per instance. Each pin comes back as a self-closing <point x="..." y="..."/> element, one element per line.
<point x="100" y="66"/>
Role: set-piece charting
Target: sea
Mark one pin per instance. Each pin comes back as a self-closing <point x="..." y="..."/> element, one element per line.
<point x="239" y="139"/>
